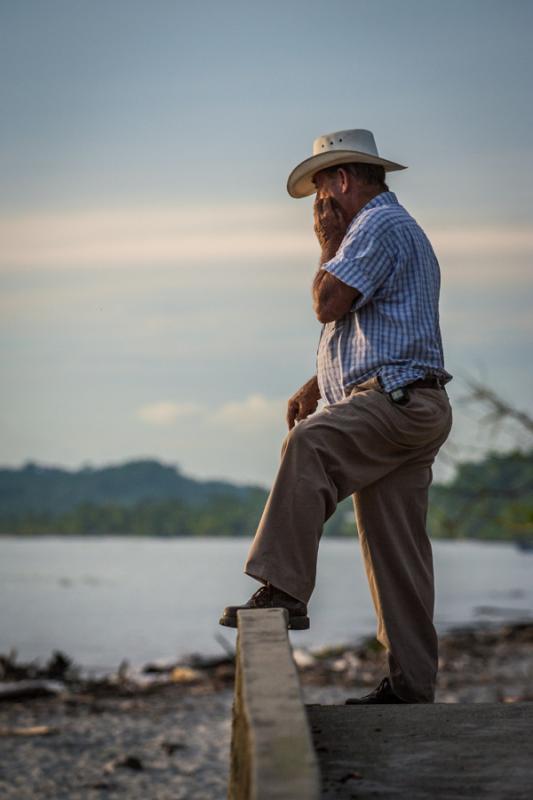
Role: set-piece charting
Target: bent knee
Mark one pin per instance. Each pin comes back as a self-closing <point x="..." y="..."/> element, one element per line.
<point x="302" y="436"/>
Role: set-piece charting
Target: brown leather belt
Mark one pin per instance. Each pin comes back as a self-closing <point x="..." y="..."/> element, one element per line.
<point x="431" y="382"/>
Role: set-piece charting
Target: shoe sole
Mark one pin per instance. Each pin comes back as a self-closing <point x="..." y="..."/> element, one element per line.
<point x="354" y="701"/>
<point x="295" y="624"/>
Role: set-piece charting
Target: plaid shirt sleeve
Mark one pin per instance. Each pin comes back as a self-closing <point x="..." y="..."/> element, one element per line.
<point x="392" y="329"/>
<point x="363" y="262"/>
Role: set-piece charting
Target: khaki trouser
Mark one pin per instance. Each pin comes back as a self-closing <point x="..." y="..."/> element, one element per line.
<point x="381" y="453"/>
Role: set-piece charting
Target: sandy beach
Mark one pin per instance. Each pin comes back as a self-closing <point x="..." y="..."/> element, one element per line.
<point x="171" y="744"/>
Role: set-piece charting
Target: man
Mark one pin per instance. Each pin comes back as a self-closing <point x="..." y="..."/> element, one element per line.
<point x="380" y="370"/>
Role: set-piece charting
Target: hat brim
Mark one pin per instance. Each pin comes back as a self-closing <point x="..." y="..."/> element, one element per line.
<point x="300" y="181"/>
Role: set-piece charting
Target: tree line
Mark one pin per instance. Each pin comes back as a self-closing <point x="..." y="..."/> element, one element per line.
<point x="489" y="499"/>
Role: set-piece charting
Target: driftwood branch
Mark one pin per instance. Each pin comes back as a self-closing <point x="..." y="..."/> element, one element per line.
<point x="498" y="409"/>
<point x="497" y="412"/>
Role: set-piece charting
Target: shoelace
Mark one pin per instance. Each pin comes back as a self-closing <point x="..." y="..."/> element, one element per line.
<point x="263" y="595"/>
<point x="385" y="683"/>
<point x="382" y="686"/>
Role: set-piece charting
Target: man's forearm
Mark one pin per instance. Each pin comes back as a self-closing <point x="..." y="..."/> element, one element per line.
<point x="319" y="290"/>
<point x="328" y="251"/>
<point x="331" y="298"/>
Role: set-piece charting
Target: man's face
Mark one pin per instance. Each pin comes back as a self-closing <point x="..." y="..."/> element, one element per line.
<point x="327" y="185"/>
<point x="331" y="186"/>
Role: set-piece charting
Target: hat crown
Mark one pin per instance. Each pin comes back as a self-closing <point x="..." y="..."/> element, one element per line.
<point x="359" y="140"/>
<point x="332" y="149"/>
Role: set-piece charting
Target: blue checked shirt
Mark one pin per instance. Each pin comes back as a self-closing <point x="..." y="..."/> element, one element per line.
<point x="392" y="329"/>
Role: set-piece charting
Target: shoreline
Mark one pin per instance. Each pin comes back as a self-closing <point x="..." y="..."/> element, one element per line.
<point x="509" y="539"/>
<point x="169" y="737"/>
<point x="489" y="646"/>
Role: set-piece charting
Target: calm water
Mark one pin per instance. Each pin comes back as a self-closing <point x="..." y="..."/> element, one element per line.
<point x="102" y="600"/>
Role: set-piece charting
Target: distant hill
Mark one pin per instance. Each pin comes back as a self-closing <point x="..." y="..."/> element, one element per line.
<point x="142" y="497"/>
<point x="34" y="488"/>
<point x="492" y="499"/>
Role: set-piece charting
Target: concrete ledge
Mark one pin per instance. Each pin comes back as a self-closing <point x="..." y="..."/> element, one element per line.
<point x="440" y="751"/>
<point x="272" y="753"/>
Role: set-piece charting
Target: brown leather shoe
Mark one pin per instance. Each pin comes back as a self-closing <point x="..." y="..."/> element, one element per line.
<point x="270" y="597"/>
<point x="382" y="694"/>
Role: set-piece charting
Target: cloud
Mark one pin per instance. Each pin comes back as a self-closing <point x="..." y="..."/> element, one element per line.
<point x="162" y="236"/>
<point x="237" y="234"/>
<point x="484" y="258"/>
<point x="166" y="413"/>
<point x="238" y="439"/>
<point x="255" y="412"/>
<point x="476" y="241"/>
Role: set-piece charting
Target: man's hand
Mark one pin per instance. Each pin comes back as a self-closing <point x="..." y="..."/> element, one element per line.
<point x="332" y="298"/>
<point x="330" y="226"/>
<point x="303" y="402"/>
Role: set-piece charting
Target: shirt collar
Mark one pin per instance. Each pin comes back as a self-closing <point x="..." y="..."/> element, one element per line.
<point x="381" y="199"/>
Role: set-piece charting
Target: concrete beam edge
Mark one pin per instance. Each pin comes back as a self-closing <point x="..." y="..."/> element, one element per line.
<point x="272" y="750"/>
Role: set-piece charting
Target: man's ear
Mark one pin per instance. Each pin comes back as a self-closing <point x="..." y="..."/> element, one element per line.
<point x="344" y="180"/>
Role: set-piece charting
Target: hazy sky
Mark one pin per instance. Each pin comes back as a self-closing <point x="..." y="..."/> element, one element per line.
<point x="155" y="273"/>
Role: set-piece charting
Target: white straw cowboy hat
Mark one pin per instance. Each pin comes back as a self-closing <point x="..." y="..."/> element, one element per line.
<point x="341" y="147"/>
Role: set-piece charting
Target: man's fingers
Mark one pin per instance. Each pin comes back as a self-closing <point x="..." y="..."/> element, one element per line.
<point x="305" y="410"/>
<point x="322" y="207"/>
<point x="332" y="208"/>
<point x="329" y="209"/>
<point x="297" y="411"/>
<point x="292" y="411"/>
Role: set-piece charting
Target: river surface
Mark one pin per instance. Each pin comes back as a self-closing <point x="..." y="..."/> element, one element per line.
<point x="102" y="600"/>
